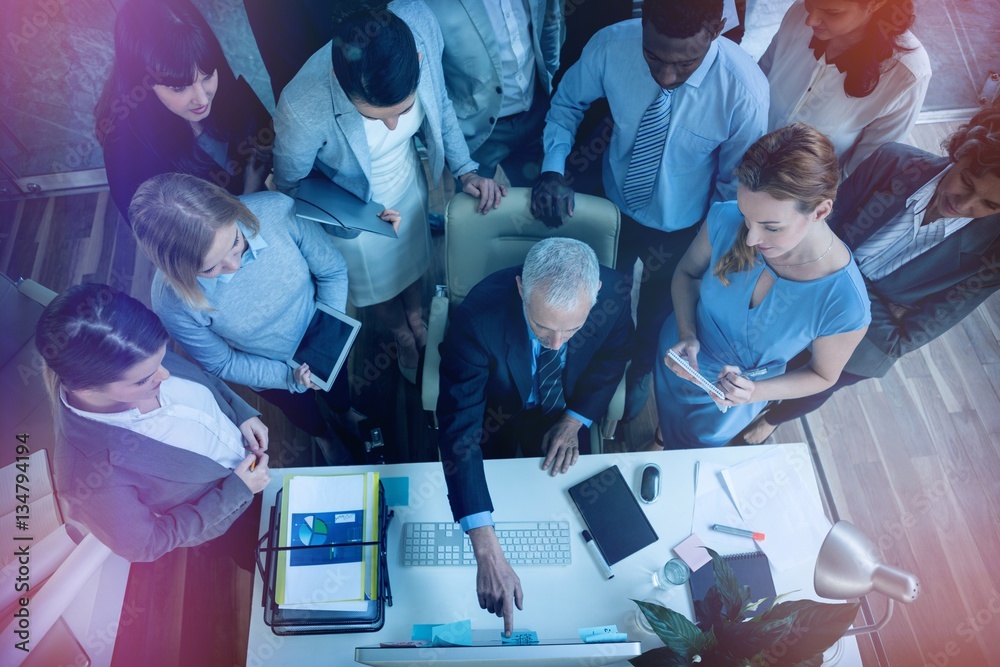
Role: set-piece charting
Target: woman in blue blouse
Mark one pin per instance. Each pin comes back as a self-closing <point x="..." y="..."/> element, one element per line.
<point x="764" y="279"/>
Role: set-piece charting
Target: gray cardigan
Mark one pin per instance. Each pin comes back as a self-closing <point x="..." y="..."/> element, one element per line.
<point x="316" y="124"/>
<point x="259" y="316"/>
<point x="139" y="496"/>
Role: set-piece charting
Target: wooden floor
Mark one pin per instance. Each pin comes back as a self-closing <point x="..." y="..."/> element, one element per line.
<point x="912" y="459"/>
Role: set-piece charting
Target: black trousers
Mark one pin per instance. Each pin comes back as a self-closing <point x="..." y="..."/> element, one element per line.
<point x="526" y="430"/>
<point x="516" y="143"/>
<point x="794" y="408"/>
<point x="303" y="410"/>
<point x="660" y="253"/>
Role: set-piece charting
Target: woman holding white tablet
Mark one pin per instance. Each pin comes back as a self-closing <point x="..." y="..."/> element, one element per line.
<point x="237" y="281"/>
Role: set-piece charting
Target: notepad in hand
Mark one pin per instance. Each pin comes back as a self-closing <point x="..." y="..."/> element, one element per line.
<point x="613" y="516"/>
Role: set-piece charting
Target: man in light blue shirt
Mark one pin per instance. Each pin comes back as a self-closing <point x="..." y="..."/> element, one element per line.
<point x="713" y="105"/>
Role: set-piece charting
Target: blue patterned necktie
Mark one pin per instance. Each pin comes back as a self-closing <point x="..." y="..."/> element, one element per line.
<point x="647" y="152"/>
<point x="550" y="386"/>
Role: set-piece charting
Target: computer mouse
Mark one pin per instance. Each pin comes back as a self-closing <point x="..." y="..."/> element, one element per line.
<point x="649" y="487"/>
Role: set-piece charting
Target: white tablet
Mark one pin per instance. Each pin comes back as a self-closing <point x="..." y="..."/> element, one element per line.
<point x="325" y="345"/>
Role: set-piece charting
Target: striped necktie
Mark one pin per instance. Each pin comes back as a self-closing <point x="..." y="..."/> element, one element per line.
<point x="550" y="386"/>
<point x="647" y="152"/>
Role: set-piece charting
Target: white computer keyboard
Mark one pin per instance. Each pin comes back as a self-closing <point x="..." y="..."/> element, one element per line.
<point x="523" y="543"/>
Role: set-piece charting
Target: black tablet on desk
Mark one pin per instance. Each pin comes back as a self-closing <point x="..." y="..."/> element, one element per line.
<point x="612" y="515"/>
<point x="325" y="345"/>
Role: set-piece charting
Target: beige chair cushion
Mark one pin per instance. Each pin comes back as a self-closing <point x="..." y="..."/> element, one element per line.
<point x="477" y="245"/>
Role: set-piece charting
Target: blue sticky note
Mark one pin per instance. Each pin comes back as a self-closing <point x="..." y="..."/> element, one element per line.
<point x="602" y="635"/>
<point x="520" y="637"/>
<point x="397" y="491"/>
<point x="423" y="631"/>
<point x="458" y="633"/>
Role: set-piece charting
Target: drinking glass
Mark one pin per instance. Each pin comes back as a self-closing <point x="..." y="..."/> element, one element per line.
<point x="673" y="573"/>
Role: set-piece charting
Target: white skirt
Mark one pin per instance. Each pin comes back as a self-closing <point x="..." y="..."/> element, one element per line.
<point x="379" y="268"/>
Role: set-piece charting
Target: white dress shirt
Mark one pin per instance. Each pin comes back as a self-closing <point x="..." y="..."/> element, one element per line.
<point x="811" y="91"/>
<point x="906" y="237"/>
<point x="512" y="26"/>
<point x="188" y="418"/>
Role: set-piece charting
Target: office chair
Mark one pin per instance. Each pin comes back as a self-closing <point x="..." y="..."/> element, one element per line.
<point x="477" y="245"/>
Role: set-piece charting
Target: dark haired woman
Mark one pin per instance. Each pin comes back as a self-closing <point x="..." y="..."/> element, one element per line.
<point x="764" y="279"/>
<point x="356" y="124"/>
<point x="172" y="104"/>
<point x="850" y="68"/>
<point x="151" y="452"/>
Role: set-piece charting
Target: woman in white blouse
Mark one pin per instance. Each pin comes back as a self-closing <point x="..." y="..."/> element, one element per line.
<point x="850" y="68"/>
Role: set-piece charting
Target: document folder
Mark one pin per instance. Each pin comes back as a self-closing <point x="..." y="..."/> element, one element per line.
<point x="290" y="621"/>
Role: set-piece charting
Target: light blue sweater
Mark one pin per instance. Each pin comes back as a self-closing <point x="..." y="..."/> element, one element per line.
<point x="260" y="314"/>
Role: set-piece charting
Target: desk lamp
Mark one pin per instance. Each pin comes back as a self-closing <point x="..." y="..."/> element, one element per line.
<point x="848" y="566"/>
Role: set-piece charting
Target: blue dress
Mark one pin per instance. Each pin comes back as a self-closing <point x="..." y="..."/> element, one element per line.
<point x="791" y="316"/>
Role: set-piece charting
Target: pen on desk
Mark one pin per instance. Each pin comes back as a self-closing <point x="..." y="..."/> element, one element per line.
<point x="738" y="531"/>
<point x="592" y="545"/>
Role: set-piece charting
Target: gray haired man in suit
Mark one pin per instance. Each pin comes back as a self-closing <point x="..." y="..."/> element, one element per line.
<point x="499" y="59"/>
<point x="925" y="232"/>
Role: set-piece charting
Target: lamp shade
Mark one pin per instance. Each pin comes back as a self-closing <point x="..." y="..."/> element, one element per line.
<point x="848" y="566"/>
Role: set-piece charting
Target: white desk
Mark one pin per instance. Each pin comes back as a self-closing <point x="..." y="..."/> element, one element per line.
<point x="557" y="599"/>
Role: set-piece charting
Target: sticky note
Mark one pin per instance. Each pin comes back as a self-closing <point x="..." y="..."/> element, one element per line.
<point x="458" y="633"/>
<point x="693" y="552"/>
<point x="602" y="635"/>
<point x="397" y="491"/>
<point x="423" y="631"/>
<point x="520" y="637"/>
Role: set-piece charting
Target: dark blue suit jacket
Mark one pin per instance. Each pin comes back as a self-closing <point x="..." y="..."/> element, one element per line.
<point x="486" y="374"/>
<point x="940" y="286"/>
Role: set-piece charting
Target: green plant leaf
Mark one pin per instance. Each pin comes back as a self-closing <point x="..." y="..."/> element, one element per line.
<point x="785" y="609"/>
<point x="752" y="606"/>
<point x="738" y="611"/>
<point x="660" y="657"/>
<point x="816" y="627"/>
<point x="708" y="612"/>
<point x="675" y="631"/>
<point x="729" y="588"/>
<point x="781" y="598"/>
<point x="745" y="640"/>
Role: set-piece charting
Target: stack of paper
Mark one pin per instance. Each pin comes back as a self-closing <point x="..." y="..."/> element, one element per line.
<point x="329" y="514"/>
<point x="771" y="493"/>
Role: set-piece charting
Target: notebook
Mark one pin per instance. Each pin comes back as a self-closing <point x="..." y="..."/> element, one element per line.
<point x="751" y="569"/>
<point x="613" y="515"/>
